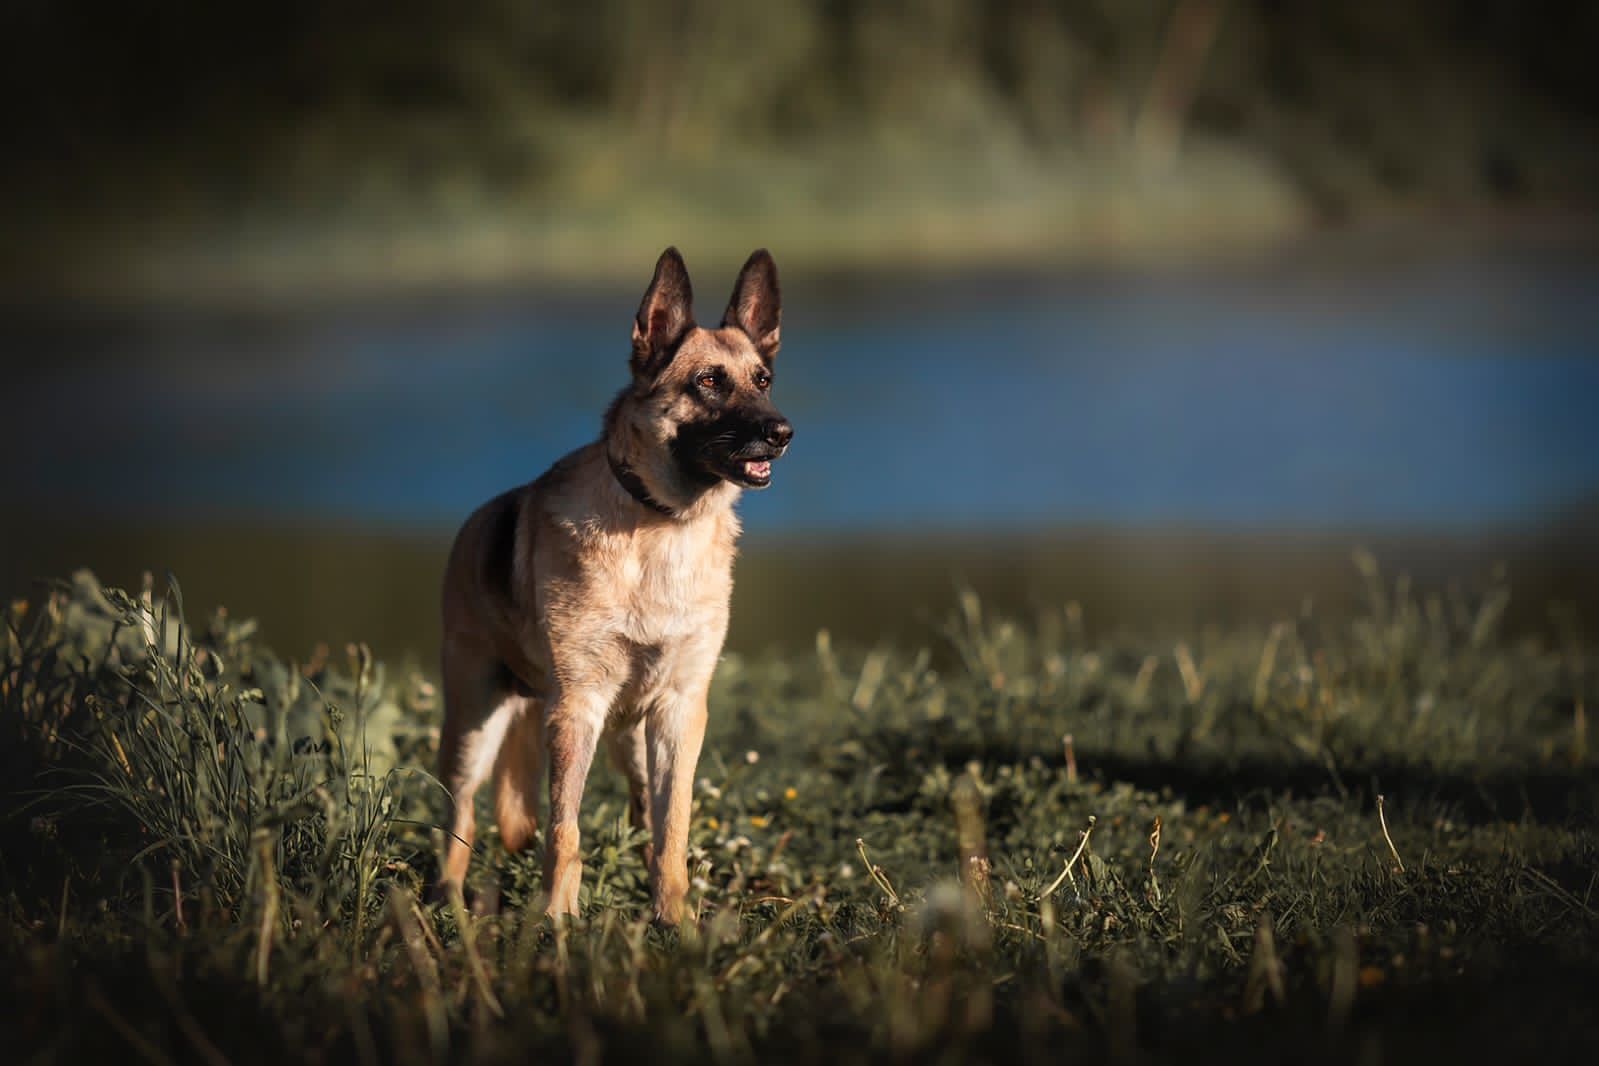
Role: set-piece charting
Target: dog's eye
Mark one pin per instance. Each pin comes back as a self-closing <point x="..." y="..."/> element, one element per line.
<point x="763" y="381"/>
<point x="709" y="380"/>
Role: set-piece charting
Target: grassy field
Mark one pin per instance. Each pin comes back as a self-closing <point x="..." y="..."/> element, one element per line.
<point x="1348" y="840"/>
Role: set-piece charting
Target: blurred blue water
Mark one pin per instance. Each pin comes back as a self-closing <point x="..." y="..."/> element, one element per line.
<point x="1453" y="395"/>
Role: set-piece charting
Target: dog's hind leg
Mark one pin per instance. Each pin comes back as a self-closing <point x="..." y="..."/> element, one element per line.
<point x="518" y="772"/>
<point x="478" y="710"/>
<point x="629" y="755"/>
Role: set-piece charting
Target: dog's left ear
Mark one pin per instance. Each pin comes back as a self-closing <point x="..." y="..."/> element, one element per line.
<point x="757" y="305"/>
<point x="664" y="317"/>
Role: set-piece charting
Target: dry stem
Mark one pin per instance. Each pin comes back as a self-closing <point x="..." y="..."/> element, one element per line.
<point x="876" y="873"/>
<point x="1383" y="820"/>
<point x="1082" y="845"/>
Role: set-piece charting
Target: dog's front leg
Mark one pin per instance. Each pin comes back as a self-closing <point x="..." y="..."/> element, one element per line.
<point x="572" y="729"/>
<point x="674" y="730"/>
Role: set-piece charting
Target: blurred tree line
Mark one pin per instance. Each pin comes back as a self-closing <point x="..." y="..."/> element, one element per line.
<point x="205" y="107"/>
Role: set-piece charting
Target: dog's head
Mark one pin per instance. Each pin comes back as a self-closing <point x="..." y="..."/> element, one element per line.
<point x="708" y="391"/>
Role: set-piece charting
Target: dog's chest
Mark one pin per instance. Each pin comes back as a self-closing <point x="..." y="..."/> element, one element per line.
<point x="670" y="584"/>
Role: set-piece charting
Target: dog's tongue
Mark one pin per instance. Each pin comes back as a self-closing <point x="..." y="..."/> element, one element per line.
<point x="758" y="468"/>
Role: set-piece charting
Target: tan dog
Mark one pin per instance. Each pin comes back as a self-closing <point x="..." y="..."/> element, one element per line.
<point x="592" y="603"/>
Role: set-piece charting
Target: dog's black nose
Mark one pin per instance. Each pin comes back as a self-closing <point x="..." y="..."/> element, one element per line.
<point x="779" y="432"/>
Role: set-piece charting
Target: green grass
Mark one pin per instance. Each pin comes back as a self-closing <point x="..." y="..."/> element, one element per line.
<point x="213" y="855"/>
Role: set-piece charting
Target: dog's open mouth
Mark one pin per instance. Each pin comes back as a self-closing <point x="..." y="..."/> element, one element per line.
<point x="753" y="473"/>
<point x="749" y="466"/>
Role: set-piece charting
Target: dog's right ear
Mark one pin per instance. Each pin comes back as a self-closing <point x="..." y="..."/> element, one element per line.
<point x="665" y="316"/>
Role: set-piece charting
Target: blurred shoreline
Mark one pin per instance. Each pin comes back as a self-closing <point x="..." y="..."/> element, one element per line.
<point x="332" y="584"/>
<point x="306" y="281"/>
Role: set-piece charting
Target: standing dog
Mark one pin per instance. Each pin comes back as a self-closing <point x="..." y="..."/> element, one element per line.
<point x="592" y="603"/>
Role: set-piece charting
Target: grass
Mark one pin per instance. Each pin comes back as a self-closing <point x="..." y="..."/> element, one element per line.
<point x="1315" y="840"/>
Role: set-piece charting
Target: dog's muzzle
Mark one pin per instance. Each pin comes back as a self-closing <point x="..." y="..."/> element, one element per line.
<point x="754" y="461"/>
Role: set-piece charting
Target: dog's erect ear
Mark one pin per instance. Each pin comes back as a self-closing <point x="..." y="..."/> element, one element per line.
<point x="757" y="305"/>
<point x="665" y="316"/>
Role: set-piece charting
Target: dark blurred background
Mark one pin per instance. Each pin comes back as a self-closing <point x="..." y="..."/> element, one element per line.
<point x="1162" y="306"/>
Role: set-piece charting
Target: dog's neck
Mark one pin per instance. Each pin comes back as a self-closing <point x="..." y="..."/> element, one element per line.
<point x="649" y="474"/>
<point x="634" y="485"/>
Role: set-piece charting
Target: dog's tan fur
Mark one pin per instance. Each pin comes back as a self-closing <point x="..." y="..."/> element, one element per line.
<point x="576" y="611"/>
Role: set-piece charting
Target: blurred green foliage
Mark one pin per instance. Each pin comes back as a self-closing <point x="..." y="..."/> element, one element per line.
<point x="498" y="137"/>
